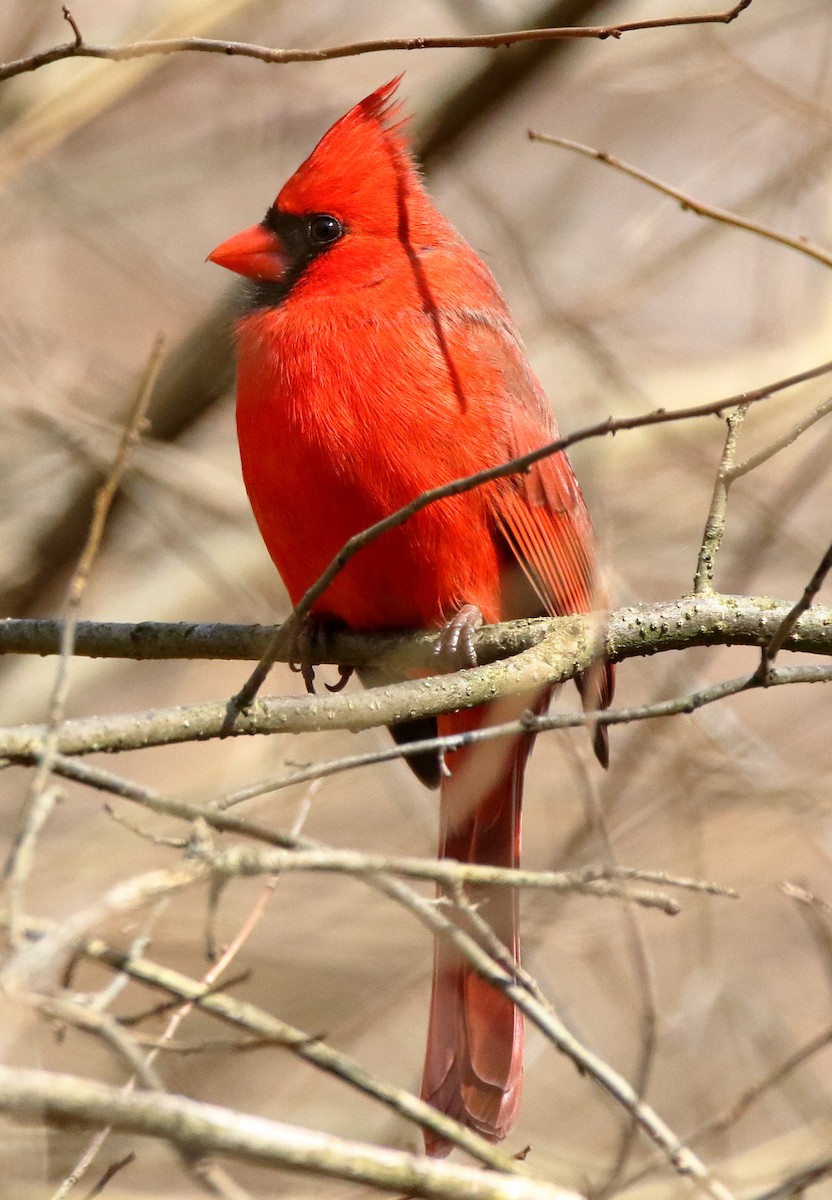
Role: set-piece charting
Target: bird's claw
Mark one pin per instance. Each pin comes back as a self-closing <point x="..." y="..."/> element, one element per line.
<point x="300" y="657"/>
<point x="344" y="675"/>
<point x="455" y="644"/>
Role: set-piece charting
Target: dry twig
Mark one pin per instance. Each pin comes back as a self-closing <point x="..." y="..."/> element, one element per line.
<point x="688" y="203"/>
<point x="78" y="48"/>
<point x="35" y="812"/>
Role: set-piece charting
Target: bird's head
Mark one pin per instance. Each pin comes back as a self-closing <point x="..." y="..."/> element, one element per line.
<point x="356" y="195"/>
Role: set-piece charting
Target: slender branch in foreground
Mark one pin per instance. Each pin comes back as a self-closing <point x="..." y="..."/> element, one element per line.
<point x="797" y="1183"/>
<point x="680" y="705"/>
<point x="688" y="203"/>
<point x="570" y="647"/>
<point x="204" y="1129"/>
<point x="35" y="811"/>
<point x="784" y="630"/>
<point x="672" y="625"/>
<point x="33" y="960"/>
<point x="589" y="880"/>
<point x="268" y="1030"/>
<point x="531" y="1002"/>
<point x="183" y="1010"/>
<point x="736" y="1109"/>
<point x="215" y="816"/>
<point x="245" y="861"/>
<point x="78" y="48"/>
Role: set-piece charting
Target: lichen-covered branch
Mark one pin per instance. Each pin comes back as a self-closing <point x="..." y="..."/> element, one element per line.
<point x="557" y="650"/>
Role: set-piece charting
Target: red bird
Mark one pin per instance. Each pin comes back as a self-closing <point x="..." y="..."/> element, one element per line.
<point x="377" y="359"/>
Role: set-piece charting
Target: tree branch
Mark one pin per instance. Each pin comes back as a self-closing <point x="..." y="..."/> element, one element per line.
<point x="268" y="1030"/>
<point x="564" y="647"/>
<point x="201" y="1129"/>
<point x="688" y="203"/>
<point x="703" y="579"/>
<point x="245" y="861"/>
<point x="78" y="48"/>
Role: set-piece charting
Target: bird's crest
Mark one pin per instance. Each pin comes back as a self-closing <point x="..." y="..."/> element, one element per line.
<point x="362" y="166"/>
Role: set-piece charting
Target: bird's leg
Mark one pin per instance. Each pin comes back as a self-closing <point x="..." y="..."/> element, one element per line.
<point x="455" y="644"/>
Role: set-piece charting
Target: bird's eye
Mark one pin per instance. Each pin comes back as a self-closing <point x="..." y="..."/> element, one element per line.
<point x="324" y="228"/>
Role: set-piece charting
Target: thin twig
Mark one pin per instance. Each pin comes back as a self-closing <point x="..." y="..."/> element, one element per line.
<point x="96" y="1145"/>
<point x="70" y="932"/>
<point x="688" y="203"/>
<point x="644" y="972"/>
<point x="73" y="24"/>
<point x="245" y="861"/>
<point x="785" y="440"/>
<point x="34" y="959"/>
<point x="703" y="579"/>
<point x="797" y="1183"/>
<point x="534" y="1006"/>
<point x="107" y="1175"/>
<point x="783" y="632"/>
<point x="19" y="860"/>
<point x="736" y="1110"/>
<point x="493" y="41"/>
<point x="269" y="1030"/>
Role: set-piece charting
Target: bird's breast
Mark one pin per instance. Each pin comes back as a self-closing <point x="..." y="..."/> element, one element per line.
<point x="343" y="422"/>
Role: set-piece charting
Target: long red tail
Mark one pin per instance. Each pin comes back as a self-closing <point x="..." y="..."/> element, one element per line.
<point x="474" y="1058"/>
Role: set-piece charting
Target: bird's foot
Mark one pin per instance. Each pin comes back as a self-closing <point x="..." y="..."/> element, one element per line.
<point x="455" y="644"/>
<point x="310" y="630"/>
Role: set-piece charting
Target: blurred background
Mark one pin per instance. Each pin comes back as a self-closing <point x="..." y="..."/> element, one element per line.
<point x="116" y="180"/>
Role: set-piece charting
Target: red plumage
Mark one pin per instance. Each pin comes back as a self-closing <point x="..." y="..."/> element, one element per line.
<point x="376" y="360"/>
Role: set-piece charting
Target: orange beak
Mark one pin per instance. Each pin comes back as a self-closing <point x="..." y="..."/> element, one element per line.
<point x="256" y="253"/>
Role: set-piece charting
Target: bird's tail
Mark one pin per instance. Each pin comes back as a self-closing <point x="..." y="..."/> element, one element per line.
<point x="474" y="1058"/>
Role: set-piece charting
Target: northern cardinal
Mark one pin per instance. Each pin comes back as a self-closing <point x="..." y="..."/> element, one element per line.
<point x="377" y="359"/>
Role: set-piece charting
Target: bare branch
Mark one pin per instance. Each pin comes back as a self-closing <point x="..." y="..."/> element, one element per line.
<point x="490" y="41"/>
<point x="785" y="440"/>
<point x="30" y="963"/>
<point x="73" y="24"/>
<point x="797" y="1183"/>
<point x="270" y="1031"/>
<point x="531" y="1002"/>
<point x="34" y="812"/>
<point x="218" y="1185"/>
<point x="246" y="861"/>
<point x="688" y="203"/>
<point x="569" y="647"/>
<point x="784" y="630"/>
<point x="682" y="1159"/>
<point x="209" y="1129"/>
<point x="715" y="524"/>
<point x="736" y="1110"/>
